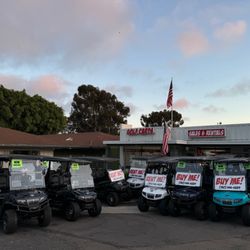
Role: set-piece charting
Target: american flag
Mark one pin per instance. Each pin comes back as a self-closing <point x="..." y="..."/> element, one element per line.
<point x="166" y="137"/>
<point x="170" y="96"/>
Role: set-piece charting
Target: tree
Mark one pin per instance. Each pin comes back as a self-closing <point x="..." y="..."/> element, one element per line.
<point x="29" y="114"/>
<point x="96" y="110"/>
<point x="160" y="118"/>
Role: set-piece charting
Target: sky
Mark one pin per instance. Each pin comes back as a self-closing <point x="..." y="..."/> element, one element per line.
<point x="132" y="48"/>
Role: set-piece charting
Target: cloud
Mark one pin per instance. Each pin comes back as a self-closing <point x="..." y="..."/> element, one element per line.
<point x="50" y="87"/>
<point x="242" y="88"/>
<point x="231" y="31"/>
<point x="213" y="109"/>
<point x="68" y="33"/>
<point x="193" y="43"/>
<point x="181" y="104"/>
<point x="122" y="91"/>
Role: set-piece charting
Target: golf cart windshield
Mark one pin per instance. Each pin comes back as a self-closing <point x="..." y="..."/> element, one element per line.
<point x="230" y="176"/>
<point x="81" y="176"/>
<point x="137" y="168"/>
<point x="189" y="173"/>
<point x="156" y="175"/>
<point x="26" y="174"/>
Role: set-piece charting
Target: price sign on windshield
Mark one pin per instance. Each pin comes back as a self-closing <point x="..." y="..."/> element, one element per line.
<point x="75" y="166"/>
<point x="16" y="163"/>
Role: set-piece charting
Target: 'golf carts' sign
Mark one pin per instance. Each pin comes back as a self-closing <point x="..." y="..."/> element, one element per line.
<point x="155" y="180"/>
<point x="140" y="131"/>
<point x="116" y="175"/>
<point x="207" y="133"/>
<point x="188" y="179"/>
<point x="230" y="183"/>
<point x="137" y="173"/>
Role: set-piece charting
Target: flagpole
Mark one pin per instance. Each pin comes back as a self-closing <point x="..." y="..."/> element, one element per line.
<point x="172" y="114"/>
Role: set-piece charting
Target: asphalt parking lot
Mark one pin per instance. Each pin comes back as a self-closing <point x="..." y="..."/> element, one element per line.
<point x="123" y="227"/>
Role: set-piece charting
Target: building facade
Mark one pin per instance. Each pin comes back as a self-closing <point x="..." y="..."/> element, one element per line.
<point x="198" y="140"/>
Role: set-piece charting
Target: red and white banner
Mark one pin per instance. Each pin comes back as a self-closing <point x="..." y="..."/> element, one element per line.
<point x="116" y="175"/>
<point x="188" y="179"/>
<point x="137" y="173"/>
<point x="230" y="183"/>
<point x="156" y="180"/>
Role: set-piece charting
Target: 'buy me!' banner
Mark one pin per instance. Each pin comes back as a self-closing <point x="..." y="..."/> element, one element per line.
<point x="230" y="183"/>
<point x="137" y="173"/>
<point x="188" y="179"/>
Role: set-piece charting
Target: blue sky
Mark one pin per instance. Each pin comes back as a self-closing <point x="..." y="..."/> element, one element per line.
<point x="132" y="48"/>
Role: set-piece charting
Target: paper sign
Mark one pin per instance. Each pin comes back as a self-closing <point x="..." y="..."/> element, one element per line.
<point x="116" y="175"/>
<point x="247" y="166"/>
<point x="75" y="166"/>
<point x="16" y="163"/>
<point x="45" y="164"/>
<point x="137" y="173"/>
<point x="156" y="180"/>
<point x="181" y="164"/>
<point x="220" y="167"/>
<point x="230" y="183"/>
<point x="188" y="179"/>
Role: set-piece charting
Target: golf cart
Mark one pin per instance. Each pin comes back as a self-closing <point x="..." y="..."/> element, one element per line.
<point x="192" y="186"/>
<point x="22" y="189"/>
<point x="70" y="186"/>
<point x="109" y="180"/>
<point x="136" y="176"/>
<point x="157" y="183"/>
<point x="231" y="189"/>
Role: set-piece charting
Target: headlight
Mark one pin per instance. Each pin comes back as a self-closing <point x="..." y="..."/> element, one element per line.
<point x="43" y="198"/>
<point x="238" y="200"/>
<point x="216" y="199"/>
<point x="144" y="193"/>
<point x="21" y="201"/>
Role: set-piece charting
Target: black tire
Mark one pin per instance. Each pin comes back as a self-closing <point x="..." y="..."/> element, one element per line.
<point x="9" y="221"/>
<point x="200" y="210"/>
<point x="163" y="207"/>
<point x="213" y="212"/>
<point x="112" y="199"/>
<point x="45" y="219"/>
<point x="245" y="215"/>
<point x="142" y="204"/>
<point x="96" y="210"/>
<point x="72" y="211"/>
<point x="173" y="209"/>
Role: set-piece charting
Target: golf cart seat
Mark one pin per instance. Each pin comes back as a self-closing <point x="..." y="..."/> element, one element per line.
<point x="4" y="178"/>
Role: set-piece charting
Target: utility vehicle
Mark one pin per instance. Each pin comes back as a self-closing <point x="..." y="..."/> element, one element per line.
<point x="192" y="186"/>
<point x="22" y="191"/>
<point x="231" y="189"/>
<point x="70" y="186"/>
<point x="158" y="181"/>
<point x="109" y="180"/>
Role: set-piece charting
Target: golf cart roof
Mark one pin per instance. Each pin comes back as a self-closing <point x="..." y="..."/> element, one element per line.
<point x="234" y="159"/>
<point x="164" y="159"/>
<point x="40" y="157"/>
<point x="98" y="158"/>
<point x="145" y="157"/>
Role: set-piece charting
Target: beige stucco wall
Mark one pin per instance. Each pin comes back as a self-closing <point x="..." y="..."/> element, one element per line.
<point x="47" y="152"/>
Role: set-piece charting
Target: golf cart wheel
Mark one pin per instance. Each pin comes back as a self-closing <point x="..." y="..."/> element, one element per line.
<point x="45" y="218"/>
<point x="200" y="210"/>
<point x="112" y="199"/>
<point x="163" y="207"/>
<point x="72" y="211"/>
<point x="173" y="209"/>
<point x="213" y="212"/>
<point x="142" y="204"/>
<point x="96" y="210"/>
<point x="9" y="221"/>
<point x="245" y="215"/>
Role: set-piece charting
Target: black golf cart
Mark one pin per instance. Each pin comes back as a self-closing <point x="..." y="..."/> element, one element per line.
<point x="22" y="191"/>
<point x="158" y="183"/>
<point x="70" y="186"/>
<point x="109" y="180"/>
<point x="193" y="184"/>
